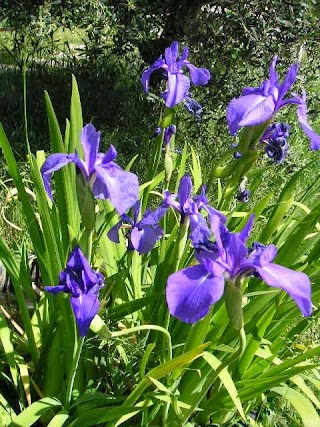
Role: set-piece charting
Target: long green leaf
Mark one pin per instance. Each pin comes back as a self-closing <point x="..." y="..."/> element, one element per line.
<point x="31" y="414"/>
<point x="226" y="380"/>
<point x="301" y="404"/>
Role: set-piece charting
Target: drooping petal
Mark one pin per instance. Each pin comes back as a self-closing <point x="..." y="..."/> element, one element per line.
<point x="55" y="162"/>
<point x="85" y="307"/>
<point x="145" y="78"/>
<point x="249" y="110"/>
<point x="178" y="86"/>
<point x="288" y="81"/>
<point x="113" y="233"/>
<point x="143" y="240"/>
<point x="302" y="118"/>
<point x="57" y="289"/>
<point x="199" y="76"/>
<point x="191" y="292"/>
<point x="295" y="283"/>
<point x="90" y="140"/>
<point x="121" y="187"/>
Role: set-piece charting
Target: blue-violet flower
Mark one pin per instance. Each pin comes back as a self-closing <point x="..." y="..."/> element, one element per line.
<point x="84" y="284"/>
<point x="258" y="105"/>
<point x="106" y="179"/>
<point x="192" y="291"/>
<point x="178" y="84"/>
<point x="143" y="234"/>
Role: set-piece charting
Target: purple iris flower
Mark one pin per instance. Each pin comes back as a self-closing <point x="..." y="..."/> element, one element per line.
<point x="178" y="83"/>
<point x="84" y="284"/>
<point x="191" y="292"/>
<point x="258" y="105"/>
<point x="190" y="207"/>
<point x="145" y="233"/>
<point x="106" y="179"/>
<point x="168" y="133"/>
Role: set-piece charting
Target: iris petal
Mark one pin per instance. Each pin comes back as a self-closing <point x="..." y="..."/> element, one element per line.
<point x="289" y="80"/>
<point x="199" y="76"/>
<point x="143" y="240"/>
<point x="90" y="140"/>
<point x="85" y="307"/>
<point x="295" y="283"/>
<point x="178" y="86"/>
<point x="121" y="187"/>
<point x="159" y="63"/>
<point x="191" y="292"/>
<point x="302" y="117"/>
<point x="55" y="162"/>
<point x="249" y="110"/>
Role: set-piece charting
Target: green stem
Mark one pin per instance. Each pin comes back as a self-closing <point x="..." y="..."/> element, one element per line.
<point x="182" y="240"/>
<point x="166" y="121"/>
<point x="25" y="116"/>
<point x="74" y="367"/>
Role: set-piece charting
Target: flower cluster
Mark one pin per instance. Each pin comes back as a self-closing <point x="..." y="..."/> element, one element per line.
<point x="223" y="257"/>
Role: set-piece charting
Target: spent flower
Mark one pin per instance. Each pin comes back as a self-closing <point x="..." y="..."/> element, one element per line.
<point x="275" y="141"/>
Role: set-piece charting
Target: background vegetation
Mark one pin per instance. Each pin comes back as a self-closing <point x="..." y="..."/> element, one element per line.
<point x="107" y="44"/>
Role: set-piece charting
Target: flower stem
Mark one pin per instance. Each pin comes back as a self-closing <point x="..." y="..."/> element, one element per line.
<point x="74" y="367"/>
